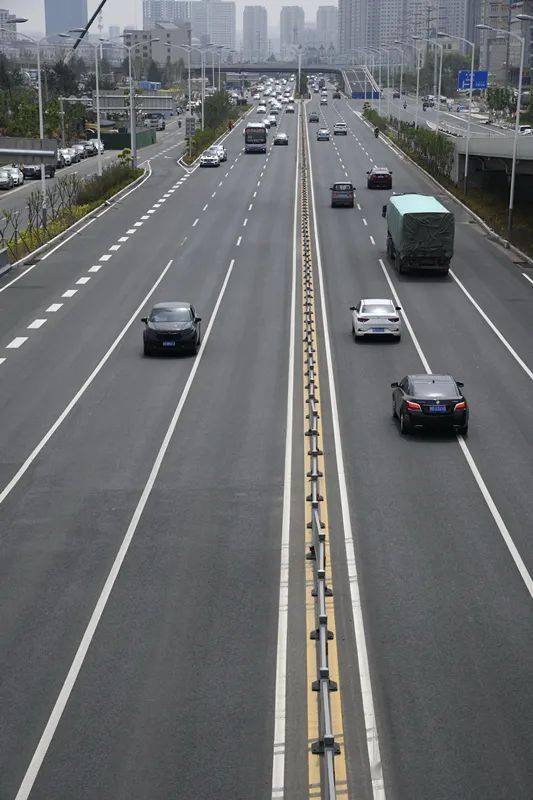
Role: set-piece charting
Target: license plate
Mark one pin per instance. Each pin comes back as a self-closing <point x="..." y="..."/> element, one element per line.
<point x="437" y="409"/>
<point x="169" y="344"/>
<point x="378" y="330"/>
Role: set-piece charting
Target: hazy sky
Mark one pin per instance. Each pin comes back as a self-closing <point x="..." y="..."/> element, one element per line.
<point x="129" y="12"/>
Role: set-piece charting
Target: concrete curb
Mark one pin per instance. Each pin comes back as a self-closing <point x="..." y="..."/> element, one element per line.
<point x="111" y="201"/>
<point x="496" y="236"/>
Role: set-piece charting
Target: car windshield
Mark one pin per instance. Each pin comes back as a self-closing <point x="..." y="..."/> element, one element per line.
<point x="377" y="309"/>
<point x="342" y="187"/>
<point x="170" y="315"/>
<point x="433" y="389"/>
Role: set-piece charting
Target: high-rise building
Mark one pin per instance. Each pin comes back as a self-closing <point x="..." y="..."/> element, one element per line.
<point x="492" y="47"/>
<point x="255" y="33"/>
<point x="61" y="16"/>
<point x="327" y="24"/>
<point x="114" y="31"/>
<point x="221" y="23"/>
<point x="8" y="28"/>
<point x="291" y="24"/>
<point x="353" y="24"/>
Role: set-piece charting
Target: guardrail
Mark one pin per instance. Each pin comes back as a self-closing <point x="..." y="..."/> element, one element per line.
<point x="325" y="746"/>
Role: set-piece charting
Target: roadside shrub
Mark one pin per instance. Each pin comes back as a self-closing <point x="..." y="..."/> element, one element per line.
<point x="100" y="187"/>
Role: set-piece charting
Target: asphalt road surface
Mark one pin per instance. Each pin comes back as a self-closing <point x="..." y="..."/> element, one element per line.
<point x="143" y="501"/>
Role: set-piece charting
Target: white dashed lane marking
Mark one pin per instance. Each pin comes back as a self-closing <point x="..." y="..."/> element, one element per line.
<point x="244" y="224"/>
<point x="36" y="324"/>
<point x="104" y="258"/>
<point x="205" y="207"/>
<point x="239" y="241"/>
<point x="83" y="281"/>
<point x="95" y="268"/>
<point x="69" y="293"/>
<point x="53" y="308"/>
<point x="115" y="247"/>
<point x="17" y="342"/>
<point x="195" y="223"/>
<point x="365" y="222"/>
<point x="372" y="240"/>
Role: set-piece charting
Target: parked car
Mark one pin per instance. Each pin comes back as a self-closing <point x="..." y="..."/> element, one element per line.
<point x="74" y="155"/>
<point x="97" y="145"/>
<point x="16" y="174"/>
<point x="80" y="149"/>
<point x="379" y="178"/>
<point x="34" y="170"/>
<point x="396" y="94"/>
<point x="66" y="156"/>
<point x="60" y="160"/>
<point x="342" y="194"/>
<point x="289" y="109"/>
<point x="6" y="179"/>
<point x="170" y="328"/>
<point x="430" y="402"/>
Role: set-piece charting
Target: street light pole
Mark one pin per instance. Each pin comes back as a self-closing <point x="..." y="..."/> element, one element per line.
<point x="521" y="39"/>
<point x="469" y="124"/>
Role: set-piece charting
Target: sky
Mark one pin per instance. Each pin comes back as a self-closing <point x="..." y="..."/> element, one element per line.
<point x="129" y="12"/>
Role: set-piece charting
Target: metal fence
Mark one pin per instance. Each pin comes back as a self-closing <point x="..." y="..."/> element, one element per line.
<point x="325" y="746"/>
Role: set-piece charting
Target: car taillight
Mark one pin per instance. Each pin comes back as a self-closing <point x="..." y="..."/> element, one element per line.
<point x="413" y="406"/>
<point x="393" y="319"/>
<point x="460" y="406"/>
<point x="362" y="319"/>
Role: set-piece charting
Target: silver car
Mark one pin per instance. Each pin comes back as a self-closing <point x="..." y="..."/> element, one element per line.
<point x="376" y="317"/>
<point x="210" y="159"/>
<point x="17" y="175"/>
<point x="6" y="179"/>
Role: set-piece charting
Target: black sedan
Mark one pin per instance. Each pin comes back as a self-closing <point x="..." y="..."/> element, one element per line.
<point x="34" y="170"/>
<point x="379" y="178"/>
<point x="171" y="328"/>
<point x="430" y="402"/>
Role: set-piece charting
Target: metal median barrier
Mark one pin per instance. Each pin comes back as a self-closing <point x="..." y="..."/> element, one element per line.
<point x="325" y="745"/>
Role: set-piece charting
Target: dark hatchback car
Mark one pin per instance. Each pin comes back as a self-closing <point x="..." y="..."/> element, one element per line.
<point x="342" y="194"/>
<point x="34" y="170"/>
<point x="379" y="178"/>
<point x="171" y="328"/>
<point x="430" y="402"/>
<point x="313" y="117"/>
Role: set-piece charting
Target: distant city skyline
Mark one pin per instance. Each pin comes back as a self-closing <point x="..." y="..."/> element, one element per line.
<point x="129" y="12"/>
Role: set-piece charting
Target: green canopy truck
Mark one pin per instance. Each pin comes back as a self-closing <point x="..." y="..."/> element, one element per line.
<point x="420" y="233"/>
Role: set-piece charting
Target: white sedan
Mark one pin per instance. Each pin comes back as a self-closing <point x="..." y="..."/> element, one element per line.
<point x="210" y="158"/>
<point x="376" y="317"/>
<point x="17" y="175"/>
<point x="261" y="109"/>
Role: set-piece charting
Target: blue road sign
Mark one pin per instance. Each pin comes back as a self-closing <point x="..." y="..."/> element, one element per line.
<point x="481" y="77"/>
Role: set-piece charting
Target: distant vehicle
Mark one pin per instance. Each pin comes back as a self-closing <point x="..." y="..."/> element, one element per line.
<point x="373" y="317"/>
<point x="66" y="155"/>
<point x="34" y="170"/>
<point x="6" y="179"/>
<point x="74" y="155"/>
<point x="342" y="194"/>
<point x="209" y="159"/>
<point x="420" y="233"/>
<point x="155" y="119"/>
<point x="289" y="109"/>
<point x="60" y="160"/>
<point x="396" y="94"/>
<point x="274" y="111"/>
<point x="170" y="328"/>
<point x="281" y="139"/>
<point x="379" y="178"/>
<point x="80" y="150"/>
<point x="313" y="117"/>
<point x="322" y="135"/>
<point x="430" y="402"/>
<point x="323" y="101"/>
<point x="255" y="138"/>
<point x="97" y="145"/>
<point x="273" y="120"/>
<point x="221" y="152"/>
<point x="266" y="124"/>
<point x="261" y="109"/>
<point x="525" y="130"/>
<point x="340" y="129"/>
<point x="17" y="175"/>
<point x="336" y="95"/>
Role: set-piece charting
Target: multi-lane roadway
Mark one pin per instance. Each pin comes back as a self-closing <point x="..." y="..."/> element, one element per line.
<point x="150" y="507"/>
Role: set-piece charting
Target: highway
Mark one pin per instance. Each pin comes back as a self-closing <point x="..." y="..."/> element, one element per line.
<point x="152" y="510"/>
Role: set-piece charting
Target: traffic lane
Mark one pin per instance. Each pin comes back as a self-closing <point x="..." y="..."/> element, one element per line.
<point x="93" y="462"/>
<point x="485" y="269"/>
<point x="445" y="607"/>
<point x="495" y="384"/>
<point x="200" y="585"/>
<point x="79" y="334"/>
<point x="453" y="118"/>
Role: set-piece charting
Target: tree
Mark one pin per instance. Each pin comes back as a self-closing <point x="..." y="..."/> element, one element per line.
<point x="217" y="109"/>
<point x="154" y="73"/>
<point x="61" y="79"/>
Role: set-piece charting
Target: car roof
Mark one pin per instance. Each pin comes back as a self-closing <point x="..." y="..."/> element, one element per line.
<point x="172" y="304"/>
<point x="425" y="378"/>
<point x="376" y="300"/>
<point x="380" y="169"/>
<point x="342" y="183"/>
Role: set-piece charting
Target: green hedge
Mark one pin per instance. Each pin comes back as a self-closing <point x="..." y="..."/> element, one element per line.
<point x="100" y="187"/>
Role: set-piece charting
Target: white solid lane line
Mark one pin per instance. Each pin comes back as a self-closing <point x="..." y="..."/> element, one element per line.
<point x="527" y="277"/>
<point x="278" y="759"/>
<point x="238" y="243"/>
<point x="54" y="307"/>
<point x="372" y="738"/>
<point x="36" y="324"/>
<point x="506" y="536"/>
<point x="493" y="327"/>
<point x="17" y="342"/>
<point x="69" y="293"/>
<point x="77" y="663"/>
<point x="195" y="223"/>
